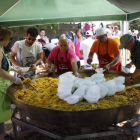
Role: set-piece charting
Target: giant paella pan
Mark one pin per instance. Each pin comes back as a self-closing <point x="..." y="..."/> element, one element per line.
<point x="78" y="118"/>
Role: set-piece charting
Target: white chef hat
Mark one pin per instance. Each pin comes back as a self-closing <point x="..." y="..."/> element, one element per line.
<point x="100" y="31"/>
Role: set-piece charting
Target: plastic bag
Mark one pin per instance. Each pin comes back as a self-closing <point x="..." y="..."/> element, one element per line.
<point x="86" y="87"/>
<point x="80" y="92"/>
<point x="103" y="91"/>
<point x="98" y="78"/>
<point x="88" y="78"/>
<point x="120" y="87"/>
<point x="85" y="83"/>
<point x="112" y="88"/>
<point x="77" y="81"/>
<point x="65" y="85"/>
<point x="102" y="84"/>
<point x="66" y="80"/>
<point x="67" y="76"/>
<point x="73" y="99"/>
<point x="64" y="90"/>
<point x="63" y="95"/>
<point x="93" y="83"/>
<point x="93" y="94"/>
<point x="119" y="80"/>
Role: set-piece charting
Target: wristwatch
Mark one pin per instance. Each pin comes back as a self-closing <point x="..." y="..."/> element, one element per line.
<point x="108" y="65"/>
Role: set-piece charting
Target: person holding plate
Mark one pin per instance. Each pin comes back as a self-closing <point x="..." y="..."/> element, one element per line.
<point x="128" y="42"/>
<point x="27" y="53"/>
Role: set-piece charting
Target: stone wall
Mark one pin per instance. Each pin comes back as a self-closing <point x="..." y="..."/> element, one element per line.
<point x="62" y="29"/>
<point x="49" y="32"/>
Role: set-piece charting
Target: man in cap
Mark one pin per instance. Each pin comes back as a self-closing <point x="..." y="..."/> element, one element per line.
<point x="106" y="50"/>
<point x="128" y="42"/>
<point x="85" y="47"/>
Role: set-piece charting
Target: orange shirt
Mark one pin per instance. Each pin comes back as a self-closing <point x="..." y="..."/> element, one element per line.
<point x="112" y="44"/>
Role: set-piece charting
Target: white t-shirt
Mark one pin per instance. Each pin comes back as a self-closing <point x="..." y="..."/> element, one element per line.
<point x="26" y="55"/>
<point x="85" y="45"/>
<point x="119" y="34"/>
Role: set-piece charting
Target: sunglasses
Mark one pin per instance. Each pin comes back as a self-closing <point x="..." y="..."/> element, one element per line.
<point x="30" y="39"/>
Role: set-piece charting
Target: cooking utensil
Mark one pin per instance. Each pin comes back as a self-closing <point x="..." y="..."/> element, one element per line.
<point x="94" y="66"/>
<point x="20" y="69"/>
<point x="28" y="83"/>
<point x="79" y="118"/>
<point x="129" y="87"/>
<point x="54" y="74"/>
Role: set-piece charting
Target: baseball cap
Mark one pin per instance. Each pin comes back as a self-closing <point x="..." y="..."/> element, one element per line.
<point x="116" y="27"/>
<point x="89" y="32"/>
<point x="66" y="32"/>
<point x="126" y="38"/>
<point x="100" y="31"/>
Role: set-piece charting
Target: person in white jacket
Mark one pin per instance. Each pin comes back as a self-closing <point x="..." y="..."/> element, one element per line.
<point x="85" y="46"/>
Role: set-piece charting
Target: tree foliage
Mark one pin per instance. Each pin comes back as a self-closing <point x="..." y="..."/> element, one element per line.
<point x="135" y="24"/>
<point x="54" y="27"/>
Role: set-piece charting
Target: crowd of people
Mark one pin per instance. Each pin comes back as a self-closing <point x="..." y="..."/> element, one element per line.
<point x="101" y="47"/>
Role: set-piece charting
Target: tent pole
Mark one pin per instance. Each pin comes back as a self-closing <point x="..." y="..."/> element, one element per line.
<point x="122" y="26"/>
<point x="123" y="52"/>
<point x="124" y="30"/>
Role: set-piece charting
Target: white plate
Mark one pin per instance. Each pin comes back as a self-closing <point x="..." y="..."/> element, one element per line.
<point x="24" y="69"/>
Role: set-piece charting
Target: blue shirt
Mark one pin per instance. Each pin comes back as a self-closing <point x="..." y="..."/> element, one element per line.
<point x="135" y="54"/>
<point x="68" y="36"/>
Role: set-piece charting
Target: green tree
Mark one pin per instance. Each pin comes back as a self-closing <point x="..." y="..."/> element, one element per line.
<point x="135" y="24"/>
<point x="54" y="27"/>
